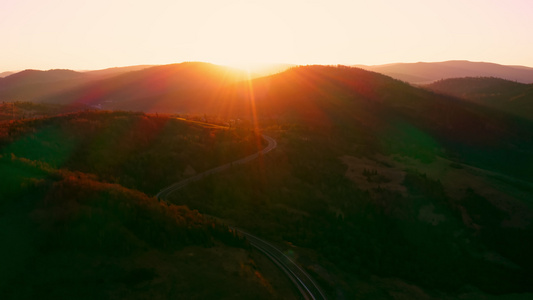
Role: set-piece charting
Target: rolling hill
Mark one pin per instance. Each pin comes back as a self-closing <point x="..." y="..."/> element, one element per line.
<point x="350" y="103"/>
<point x="110" y="72"/>
<point x="425" y="73"/>
<point x="339" y="99"/>
<point x="30" y="85"/>
<point x="38" y="86"/>
<point x="137" y="90"/>
<point x="509" y="96"/>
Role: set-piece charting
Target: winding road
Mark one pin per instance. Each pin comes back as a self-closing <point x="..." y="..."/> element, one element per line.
<point x="305" y="284"/>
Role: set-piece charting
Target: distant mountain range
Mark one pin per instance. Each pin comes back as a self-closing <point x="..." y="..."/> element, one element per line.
<point x="425" y="73"/>
<point x="171" y="88"/>
<point x="5" y="74"/>
<point x="206" y="88"/>
<point x="38" y="86"/>
<point x="110" y="72"/>
<point x="30" y="85"/>
<point x="311" y="94"/>
<point x="33" y="85"/>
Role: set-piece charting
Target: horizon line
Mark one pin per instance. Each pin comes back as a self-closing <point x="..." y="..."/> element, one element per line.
<point x="257" y="64"/>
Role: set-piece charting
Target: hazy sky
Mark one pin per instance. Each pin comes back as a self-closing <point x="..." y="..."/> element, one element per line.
<point x="75" y="34"/>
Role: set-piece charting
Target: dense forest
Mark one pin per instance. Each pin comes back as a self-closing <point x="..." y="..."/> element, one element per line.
<point x="73" y="231"/>
<point x="131" y="149"/>
<point x="438" y="236"/>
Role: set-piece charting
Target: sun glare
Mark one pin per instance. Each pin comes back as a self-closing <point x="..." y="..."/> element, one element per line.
<point x="244" y="36"/>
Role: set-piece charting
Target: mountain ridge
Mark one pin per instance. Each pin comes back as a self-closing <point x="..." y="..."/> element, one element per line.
<point x="509" y="96"/>
<point x="427" y="72"/>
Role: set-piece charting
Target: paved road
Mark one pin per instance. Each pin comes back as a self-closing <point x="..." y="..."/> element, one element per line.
<point x="305" y="284"/>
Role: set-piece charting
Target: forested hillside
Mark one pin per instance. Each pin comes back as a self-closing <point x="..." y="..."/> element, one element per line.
<point x="138" y="151"/>
<point x="72" y="231"/>
<point x="508" y="96"/>
<point x="357" y="218"/>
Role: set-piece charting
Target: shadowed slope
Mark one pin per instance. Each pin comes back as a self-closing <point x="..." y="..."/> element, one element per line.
<point x="342" y="96"/>
<point x="357" y="105"/>
<point x="509" y="96"/>
<point x="130" y="90"/>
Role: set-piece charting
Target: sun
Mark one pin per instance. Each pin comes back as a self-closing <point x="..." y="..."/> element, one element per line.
<point x="244" y="36"/>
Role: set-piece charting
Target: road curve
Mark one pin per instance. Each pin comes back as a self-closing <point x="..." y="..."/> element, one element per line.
<point x="305" y="284"/>
<point x="180" y="184"/>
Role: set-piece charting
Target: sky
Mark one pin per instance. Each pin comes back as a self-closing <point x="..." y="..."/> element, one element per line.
<point x="96" y="34"/>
